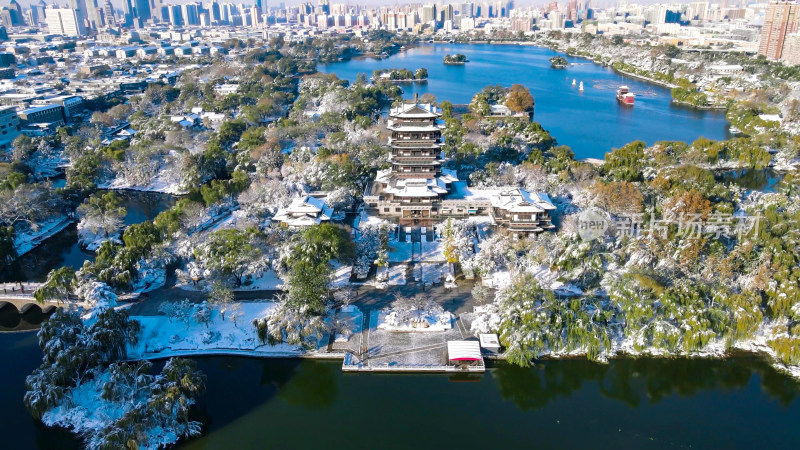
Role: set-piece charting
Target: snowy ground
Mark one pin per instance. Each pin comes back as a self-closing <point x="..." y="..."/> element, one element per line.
<point x="92" y="241"/>
<point x="397" y="274"/>
<point x="365" y="219"/>
<point x="351" y="342"/>
<point x="28" y="240"/>
<point x="161" y="337"/>
<point x="237" y="219"/>
<point x="390" y="348"/>
<point x="549" y="280"/>
<point x="393" y="275"/>
<point x="497" y="280"/>
<point x="429" y="273"/>
<point x="431" y="252"/>
<point x="267" y="281"/>
<point x="399" y="251"/>
<point x="441" y="322"/>
<point x="158" y="184"/>
<point x="341" y="275"/>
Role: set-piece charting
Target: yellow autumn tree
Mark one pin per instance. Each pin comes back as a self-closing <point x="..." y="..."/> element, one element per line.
<point x="519" y="99"/>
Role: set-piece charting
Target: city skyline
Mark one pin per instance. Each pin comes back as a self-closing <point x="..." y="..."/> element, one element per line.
<point x="119" y="4"/>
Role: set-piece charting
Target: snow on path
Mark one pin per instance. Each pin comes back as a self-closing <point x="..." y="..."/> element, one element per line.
<point x="267" y="281"/>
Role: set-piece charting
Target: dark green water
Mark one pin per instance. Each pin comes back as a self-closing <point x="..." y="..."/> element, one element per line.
<point x="288" y="404"/>
<point x="591" y="122"/>
<point x="763" y="180"/>
<point x="62" y="249"/>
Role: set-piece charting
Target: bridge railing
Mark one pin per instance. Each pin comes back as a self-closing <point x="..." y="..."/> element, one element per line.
<point x="22" y="290"/>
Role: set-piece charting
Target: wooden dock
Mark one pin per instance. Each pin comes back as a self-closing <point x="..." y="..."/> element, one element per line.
<point x="351" y="363"/>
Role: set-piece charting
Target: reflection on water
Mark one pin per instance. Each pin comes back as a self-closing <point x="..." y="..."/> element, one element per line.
<point x="639" y="381"/>
<point x="12" y="320"/>
<point x="752" y="179"/>
<point x="294" y="403"/>
<point x="62" y="249"/>
<point x="575" y="404"/>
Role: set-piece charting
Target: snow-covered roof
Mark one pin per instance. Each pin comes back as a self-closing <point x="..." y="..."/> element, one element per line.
<point x="449" y="176"/>
<point x="415" y="110"/>
<point x="400" y="127"/>
<point x="489" y="340"/>
<point x="304" y="211"/>
<point x="411" y="187"/>
<point x="521" y="201"/>
<point x="464" y="351"/>
<point x="500" y="110"/>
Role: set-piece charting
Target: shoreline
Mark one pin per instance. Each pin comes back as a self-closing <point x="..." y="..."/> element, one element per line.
<point x="746" y="349"/>
<point x="701" y="108"/>
<point x="424" y="80"/>
<point x="663" y="84"/>
<point x="35" y="240"/>
<point x="792" y="372"/>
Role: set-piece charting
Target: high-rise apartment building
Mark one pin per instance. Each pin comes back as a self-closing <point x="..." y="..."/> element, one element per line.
<point x="64" y="21"/>
<point x="782" y="19"/>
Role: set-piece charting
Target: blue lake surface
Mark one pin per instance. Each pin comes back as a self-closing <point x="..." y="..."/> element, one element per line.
<point x="591" y="122"/>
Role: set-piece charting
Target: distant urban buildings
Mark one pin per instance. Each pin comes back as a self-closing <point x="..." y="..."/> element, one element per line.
<point x="736" y="25"/>
<point x="64" y="21"/>
<point x="781" y="21"/>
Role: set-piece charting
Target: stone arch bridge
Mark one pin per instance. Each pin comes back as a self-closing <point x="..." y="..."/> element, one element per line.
<point x="20" y="297"/>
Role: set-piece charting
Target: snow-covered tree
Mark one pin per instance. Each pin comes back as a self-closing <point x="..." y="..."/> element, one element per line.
<point x="202" y="314"/>
<point x="371" y="243"/>
<point x="59" y="285"/>
<point x="220" y="297"/>
<point x="286" y="323"/>
<point x="232" y="253"/>
<point x="97" y="294"/>
<point x="101" y="217"/>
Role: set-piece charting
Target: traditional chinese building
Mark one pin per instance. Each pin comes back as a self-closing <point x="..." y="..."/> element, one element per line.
<point x="417" y="190"/>
<point x="413" y="188"/>
<point x="304" y="212"/>
<point x="521" y="211"/>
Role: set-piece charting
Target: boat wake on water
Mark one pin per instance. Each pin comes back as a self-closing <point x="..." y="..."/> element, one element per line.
<point x="609" y="86"/>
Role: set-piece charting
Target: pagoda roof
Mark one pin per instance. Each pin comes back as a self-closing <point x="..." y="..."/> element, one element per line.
<point x="410" y="128"/>
<point x="415" y="110"/>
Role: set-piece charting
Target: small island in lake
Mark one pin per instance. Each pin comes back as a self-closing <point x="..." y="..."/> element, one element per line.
<point x="457" y="59"/>
<point x="558" y="62"/>
<point x="400" y="75"/>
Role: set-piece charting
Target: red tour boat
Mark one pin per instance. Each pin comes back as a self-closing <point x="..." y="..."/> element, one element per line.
<point x="624" y="96"/>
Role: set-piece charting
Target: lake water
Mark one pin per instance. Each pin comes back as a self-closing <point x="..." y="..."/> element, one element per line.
<point x="591" y="122"/>
<point x="62" y="249"/>
<point x="764" y="180"/>
<point x="298" y="404"/>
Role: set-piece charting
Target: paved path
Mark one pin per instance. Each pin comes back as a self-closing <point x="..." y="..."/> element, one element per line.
<point x="411" y="350"/>
<point x="462" y="329"/>
<point x="457" y="300"/>
<point x="365" y="324"/>
<point x="19" y="289"/>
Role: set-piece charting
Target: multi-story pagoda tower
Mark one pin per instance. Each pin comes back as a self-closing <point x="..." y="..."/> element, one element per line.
<point x="413" y="188"/>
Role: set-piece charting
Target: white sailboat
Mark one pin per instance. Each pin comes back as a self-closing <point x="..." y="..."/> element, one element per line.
<point x="580" y="88"/>
<point x="573" y="81"/>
